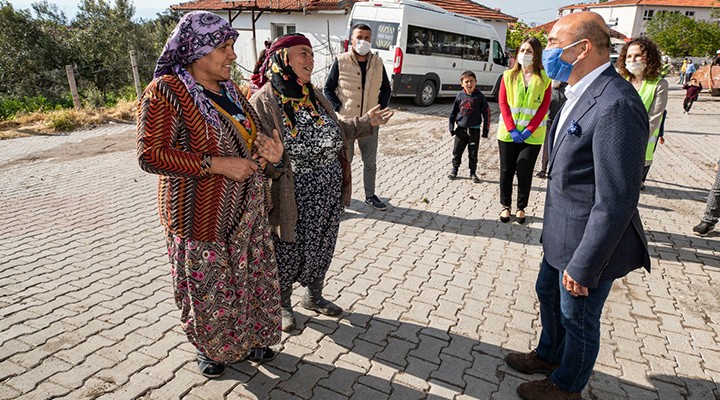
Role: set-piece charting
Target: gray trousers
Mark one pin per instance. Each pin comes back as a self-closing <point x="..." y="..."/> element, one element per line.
<point x="368" y="151"/>
<point x="712" y="208"/>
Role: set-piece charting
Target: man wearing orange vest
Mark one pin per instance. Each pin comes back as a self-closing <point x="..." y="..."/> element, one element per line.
<point x="356" y="83"/>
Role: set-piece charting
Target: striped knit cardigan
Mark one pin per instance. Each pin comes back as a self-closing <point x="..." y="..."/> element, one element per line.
<point x="175" y="142"/>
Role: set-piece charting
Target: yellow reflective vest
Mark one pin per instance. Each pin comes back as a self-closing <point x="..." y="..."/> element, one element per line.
<point x="524" y="103"/>
<point x="647" y="95"/>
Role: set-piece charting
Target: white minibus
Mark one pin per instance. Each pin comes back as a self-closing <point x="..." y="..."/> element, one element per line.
<point x="425" y="48"/>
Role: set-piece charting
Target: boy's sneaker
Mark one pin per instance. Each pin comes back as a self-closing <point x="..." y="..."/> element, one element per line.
<point x="375" y="202"/>
<point x="474" y="178"/>
<point x="703" y="228"/>
<point x="453" y="173"/>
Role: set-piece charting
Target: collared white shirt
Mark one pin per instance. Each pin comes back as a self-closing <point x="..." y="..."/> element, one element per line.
<point x="573" y="93"/>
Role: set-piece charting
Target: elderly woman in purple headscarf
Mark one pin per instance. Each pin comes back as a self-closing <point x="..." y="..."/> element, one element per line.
<point x="214" y="159"/>
<point x="308" y="196"/>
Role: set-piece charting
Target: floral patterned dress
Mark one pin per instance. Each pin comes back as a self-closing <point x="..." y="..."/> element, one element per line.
<point x="313" y="148"/>
<point x="228" y="290"/>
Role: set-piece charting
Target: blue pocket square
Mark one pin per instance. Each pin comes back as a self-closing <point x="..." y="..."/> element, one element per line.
<point x="574" y="129"/>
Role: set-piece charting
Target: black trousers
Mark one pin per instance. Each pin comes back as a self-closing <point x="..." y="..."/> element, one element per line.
<point x="516" y="159"/>
<point x="688" y="102"/>
<point x="470" y="138"/>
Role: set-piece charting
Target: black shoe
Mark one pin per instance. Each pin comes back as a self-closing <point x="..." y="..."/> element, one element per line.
<point x="703" y="228"/>
<point x="520" y="216"/>
<point x="375" y="202"/>
<point x="453" y="173"/>
<point x="474" y="178"/>
<point x="210" y="369"/>
<point x="541" y="174"/>
<point x="261" y="354"/>
<point x="503" y="218"/>
<point x="642" y="186"/>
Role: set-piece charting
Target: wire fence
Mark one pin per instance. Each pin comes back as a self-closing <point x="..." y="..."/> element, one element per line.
<point x="95" y="86"/>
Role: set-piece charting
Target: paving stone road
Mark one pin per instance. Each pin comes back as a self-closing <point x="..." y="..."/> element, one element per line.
<point x="436" y="289"/>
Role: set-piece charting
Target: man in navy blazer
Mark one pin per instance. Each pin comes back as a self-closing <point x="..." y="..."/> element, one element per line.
<point x="592" y="233"/>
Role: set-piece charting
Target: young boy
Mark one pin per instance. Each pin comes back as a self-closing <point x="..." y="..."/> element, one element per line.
<point x="469" y="112"/>
<point x="693" y="89"/>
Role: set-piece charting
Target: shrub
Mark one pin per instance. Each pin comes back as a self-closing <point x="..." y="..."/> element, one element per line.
<point x="64" y="120"/>
<point x="124" y="110"/>
<point x="10" y="107"/>
<point x="92" y="97"/>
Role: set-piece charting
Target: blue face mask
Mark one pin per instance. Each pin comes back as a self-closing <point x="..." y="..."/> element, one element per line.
<point x="556" y="68"/>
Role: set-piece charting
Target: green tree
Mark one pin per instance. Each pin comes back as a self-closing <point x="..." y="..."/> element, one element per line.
<point x="709" y="38"/>
<point x="37" y="44"/>
<point x="32" y="52"/>
<point x="151" y="40"/>
<point x="521" y="31"/>
<point x="103" y="35"/>
<point x="679" y="35"/>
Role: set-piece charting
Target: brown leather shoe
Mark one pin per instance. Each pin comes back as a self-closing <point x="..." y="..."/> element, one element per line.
<point x="530" y="363"/>
<point x="545" y="389"/>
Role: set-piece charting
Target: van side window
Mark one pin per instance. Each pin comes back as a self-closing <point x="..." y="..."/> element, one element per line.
<point x="420" y="41"/>
<point x="477" y="49"/>
<point x="426" y="42"/>
<point x="498" y="54"/>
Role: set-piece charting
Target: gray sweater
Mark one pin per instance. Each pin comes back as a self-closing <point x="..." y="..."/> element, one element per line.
<point x="283" y="215"/>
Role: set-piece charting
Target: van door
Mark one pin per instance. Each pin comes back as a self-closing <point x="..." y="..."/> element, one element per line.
<point x="498" y="63"/>
<point x="476" y="57"/>
<point x="437" y="53"/>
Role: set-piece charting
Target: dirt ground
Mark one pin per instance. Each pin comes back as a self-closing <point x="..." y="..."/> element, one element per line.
<point x="86" y="148"/>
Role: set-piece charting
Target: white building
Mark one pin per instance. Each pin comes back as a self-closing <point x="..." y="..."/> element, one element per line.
<point x="324" y="22"/>
<point x="629" y="16"/>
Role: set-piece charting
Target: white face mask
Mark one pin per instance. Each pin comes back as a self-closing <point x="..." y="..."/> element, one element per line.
<point x="526" y="60"/>
<point x="362" y="47"/>
<point x="635" y="67"/>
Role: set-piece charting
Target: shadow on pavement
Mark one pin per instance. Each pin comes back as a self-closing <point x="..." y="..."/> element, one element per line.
<point x="692" y="193"/>
<point x="405" y="359"/>
<point x="672" y="246"/>
<point x="433" y="221"/>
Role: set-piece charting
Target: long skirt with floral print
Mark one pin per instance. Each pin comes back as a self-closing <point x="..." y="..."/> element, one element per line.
<point x="317" y="194"/>
<point x="228" y="291"/>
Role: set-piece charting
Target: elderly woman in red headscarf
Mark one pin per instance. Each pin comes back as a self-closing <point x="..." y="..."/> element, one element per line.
<point x="214" y="159"/>
<point x="309" y="195"/>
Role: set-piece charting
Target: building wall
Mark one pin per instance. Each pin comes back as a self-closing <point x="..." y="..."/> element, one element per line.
<point x="501" y="29"/>
<point x="326" y="32"/>
<point x="630" y="18"/>
<point x="625" y="17"/>
<point x="701" y="13"/>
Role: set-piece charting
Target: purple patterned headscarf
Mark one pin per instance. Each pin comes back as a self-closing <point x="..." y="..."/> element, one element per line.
<point x="196" y="35"/>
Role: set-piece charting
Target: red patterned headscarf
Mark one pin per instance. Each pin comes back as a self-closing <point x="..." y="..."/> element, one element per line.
<point x="283" y="42"/>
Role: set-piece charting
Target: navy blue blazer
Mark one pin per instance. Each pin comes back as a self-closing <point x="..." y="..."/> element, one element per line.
<point x="591" y="225"/>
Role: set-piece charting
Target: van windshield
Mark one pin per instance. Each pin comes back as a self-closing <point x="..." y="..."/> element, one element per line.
<point x="384" y="34"/>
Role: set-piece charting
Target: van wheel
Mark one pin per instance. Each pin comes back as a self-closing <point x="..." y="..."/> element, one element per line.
<point x="426" y="94"/>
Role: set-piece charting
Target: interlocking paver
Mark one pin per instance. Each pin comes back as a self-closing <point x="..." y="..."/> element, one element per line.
<point x="436" y="289"/>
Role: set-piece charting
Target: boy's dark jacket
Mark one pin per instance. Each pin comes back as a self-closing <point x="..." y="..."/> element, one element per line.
<point x="470" y="110"/>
